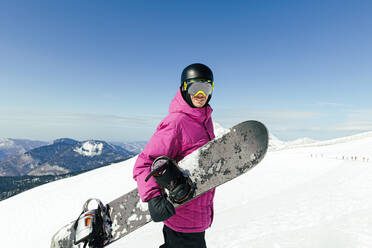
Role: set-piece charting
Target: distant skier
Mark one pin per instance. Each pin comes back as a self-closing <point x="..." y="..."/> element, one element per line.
<point x="187" y="127"/>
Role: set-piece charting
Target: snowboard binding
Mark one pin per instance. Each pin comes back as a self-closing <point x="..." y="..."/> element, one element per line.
<point x="93" y="227"/>
<point x="167" y="174"/>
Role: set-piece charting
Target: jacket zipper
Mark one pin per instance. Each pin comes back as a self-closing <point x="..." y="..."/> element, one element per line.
<point x="205" y="127"/>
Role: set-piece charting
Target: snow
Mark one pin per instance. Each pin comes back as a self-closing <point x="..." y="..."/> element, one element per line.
<point x="6" y="143"/>
<point x="313" y="195"/>
<point x="275" y="143"/>
<point x="302" y="141"/>
<point x="219" y="131"/>
<point x="90" y="149"/>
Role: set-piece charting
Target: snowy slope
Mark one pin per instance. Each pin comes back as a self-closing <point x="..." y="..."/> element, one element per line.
<point x="294" y="198"/>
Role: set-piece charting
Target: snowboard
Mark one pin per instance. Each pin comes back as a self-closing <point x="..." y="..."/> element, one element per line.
<point x="237" y="151"/>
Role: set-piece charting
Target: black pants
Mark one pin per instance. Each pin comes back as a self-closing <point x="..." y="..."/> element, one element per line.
<point x="173" y="239"/>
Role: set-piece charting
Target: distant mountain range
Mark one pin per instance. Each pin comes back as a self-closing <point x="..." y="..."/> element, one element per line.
<point x="276" y="144"/>
<point x="135" y="147"/>
<point x="62" y="156"/>
<point x="10" y="147"/>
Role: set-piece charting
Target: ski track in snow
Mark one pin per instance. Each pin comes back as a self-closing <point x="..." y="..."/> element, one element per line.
<point x="290" y="200"/>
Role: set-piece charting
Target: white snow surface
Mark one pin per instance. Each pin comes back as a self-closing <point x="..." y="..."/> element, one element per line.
<point x="318" y="196"/>
<point x="90" y="149"/>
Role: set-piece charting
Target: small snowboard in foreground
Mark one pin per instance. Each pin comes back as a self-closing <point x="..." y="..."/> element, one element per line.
<point x="215" y="163"/>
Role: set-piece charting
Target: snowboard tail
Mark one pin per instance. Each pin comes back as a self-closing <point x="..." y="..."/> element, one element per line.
<point x="215" y="163"/>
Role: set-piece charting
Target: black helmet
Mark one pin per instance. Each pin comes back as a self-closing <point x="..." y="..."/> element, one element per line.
<point x="195" y="71"/>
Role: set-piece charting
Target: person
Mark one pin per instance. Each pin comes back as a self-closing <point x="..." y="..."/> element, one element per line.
<point x="187" y="127"/>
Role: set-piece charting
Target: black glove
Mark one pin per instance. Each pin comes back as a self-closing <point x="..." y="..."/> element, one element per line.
<point x="160" y="208"/>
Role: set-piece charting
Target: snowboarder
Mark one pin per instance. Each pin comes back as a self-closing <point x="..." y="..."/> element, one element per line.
<point x="187" y="127"/>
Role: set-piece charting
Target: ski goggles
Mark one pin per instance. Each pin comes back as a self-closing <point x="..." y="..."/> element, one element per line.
<point x="197" y="86"/>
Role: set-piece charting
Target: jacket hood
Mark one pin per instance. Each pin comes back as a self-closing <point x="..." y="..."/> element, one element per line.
<point x="179" y="105"/>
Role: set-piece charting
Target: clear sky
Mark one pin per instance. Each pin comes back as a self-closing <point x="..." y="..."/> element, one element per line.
<point x="109" y="69"/>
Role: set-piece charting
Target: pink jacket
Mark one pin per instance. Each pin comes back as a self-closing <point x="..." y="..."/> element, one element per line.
<point x="184" y="130"/>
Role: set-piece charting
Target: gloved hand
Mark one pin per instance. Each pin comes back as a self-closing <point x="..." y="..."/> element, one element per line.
<point x="160" y="208"/>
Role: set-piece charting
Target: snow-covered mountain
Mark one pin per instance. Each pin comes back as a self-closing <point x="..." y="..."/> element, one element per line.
<point x="135" y="147"/>
<point x="295" y="198"/>
<point x="10" y="147"/>
<point x="63" y="156"/>
<point x="301" y="141"/>
<point x="275" y="143"/>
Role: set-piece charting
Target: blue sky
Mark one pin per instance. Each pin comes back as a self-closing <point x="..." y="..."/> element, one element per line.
<point x="109" y="69"/>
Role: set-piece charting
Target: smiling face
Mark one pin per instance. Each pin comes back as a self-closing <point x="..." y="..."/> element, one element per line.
<point x="199" y="100"/>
